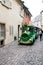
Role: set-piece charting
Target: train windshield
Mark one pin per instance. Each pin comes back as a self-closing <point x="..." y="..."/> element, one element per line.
<point x="30" y="28"/>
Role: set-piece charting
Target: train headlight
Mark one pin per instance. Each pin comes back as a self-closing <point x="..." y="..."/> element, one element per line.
<point x="30" y="39"/>
<point x="19" y="38"/>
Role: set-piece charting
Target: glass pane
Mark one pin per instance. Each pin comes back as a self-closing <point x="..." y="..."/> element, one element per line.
<point x="2" y="30"/>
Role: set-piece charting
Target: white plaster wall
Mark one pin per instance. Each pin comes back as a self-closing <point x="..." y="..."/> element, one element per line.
<point x="11" y="17"/>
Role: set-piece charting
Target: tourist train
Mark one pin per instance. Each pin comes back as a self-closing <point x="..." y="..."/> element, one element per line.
<point x="29" y="35"/>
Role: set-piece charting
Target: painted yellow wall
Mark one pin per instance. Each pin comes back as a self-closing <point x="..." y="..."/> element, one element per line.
<point x="11" y="17"/>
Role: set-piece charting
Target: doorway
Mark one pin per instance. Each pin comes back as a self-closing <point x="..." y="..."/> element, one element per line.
<point x="2" y="34"/>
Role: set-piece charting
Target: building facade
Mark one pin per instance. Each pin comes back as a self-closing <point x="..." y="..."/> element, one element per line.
<point x="41" y="20"/>
<point x="10" y="19"/>
<point x="27" y="16"/>
<point x="13" y="14"/>
<point x="38" y="21"/>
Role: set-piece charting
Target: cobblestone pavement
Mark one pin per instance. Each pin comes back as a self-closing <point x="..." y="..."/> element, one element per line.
<point x="14" y="54"/>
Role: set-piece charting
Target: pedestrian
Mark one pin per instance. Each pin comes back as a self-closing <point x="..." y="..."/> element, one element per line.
<point x="40" y="35"/>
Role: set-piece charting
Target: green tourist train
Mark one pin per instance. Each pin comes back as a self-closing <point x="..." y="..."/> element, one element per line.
<point x="29" y="35"/>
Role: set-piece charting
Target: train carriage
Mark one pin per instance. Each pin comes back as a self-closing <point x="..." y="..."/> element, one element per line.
<point x="28" y="35"/>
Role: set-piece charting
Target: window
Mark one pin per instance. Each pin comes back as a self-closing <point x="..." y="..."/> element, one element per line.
<point x="2" y="30"/>
<point x="6" y="3"/>
<point x="25" y="15"/>
<point x="22" y="12"/>
<point x="11" y="30"/>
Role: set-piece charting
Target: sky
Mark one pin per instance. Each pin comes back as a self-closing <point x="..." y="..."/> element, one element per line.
<point x="35" y="6"/>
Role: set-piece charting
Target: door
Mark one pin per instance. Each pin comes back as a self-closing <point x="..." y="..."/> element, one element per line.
<point x="2" y="34"/>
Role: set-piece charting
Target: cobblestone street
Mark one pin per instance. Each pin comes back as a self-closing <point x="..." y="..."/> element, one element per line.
<point x="14" y="54"/>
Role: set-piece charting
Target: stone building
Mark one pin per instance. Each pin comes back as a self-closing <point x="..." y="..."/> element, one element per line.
<point x="10" y="19"/>
<point x="12" y="14"/>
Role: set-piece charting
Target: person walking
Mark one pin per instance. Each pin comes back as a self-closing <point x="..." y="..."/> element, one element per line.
<point x="40" y="35"/>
